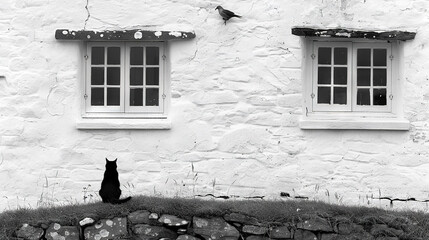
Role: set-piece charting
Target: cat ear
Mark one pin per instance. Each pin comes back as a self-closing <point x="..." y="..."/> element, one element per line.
<point x="107" y="160"/>
<point x="115" y="160"/>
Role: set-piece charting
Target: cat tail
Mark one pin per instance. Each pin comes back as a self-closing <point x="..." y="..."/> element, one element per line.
<point x="119" y="201"/>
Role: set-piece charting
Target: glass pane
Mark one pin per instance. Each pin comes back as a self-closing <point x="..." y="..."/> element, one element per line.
<point x="97" y="76"/>
<point x="324" y="95"/>
<point x="136" y="97"/>
<point x="364" y="57"/>
<point x="340" y="56"/>
<point x="340" y="75"/>
<point x="380" y="96"/>
<point x="97" y="96"/>
<point x="113" y="55"/>
<point x="379" y="77"/>
<point x="340" y="95"/>
<point x="152" y="76"/>
<point x="363" y="96"/>
<point x="364" y="77"/>
<point x="113" y="76"/>
<point x="324" y="55"/>
<point x="152" y="97"/>
<point x="136" y="55"/>
<point x="97" y="55"/>
<point x="136" y="76"/>
<point x="152" y="56"/>
<point x="380" y="57"/>
<point x="113" y="96"/>
<point x="324" y="75"/>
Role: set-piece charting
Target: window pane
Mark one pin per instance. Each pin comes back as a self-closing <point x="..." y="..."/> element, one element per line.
<point x="363" y="97"/>
<point x="380" y="96"/>
<point x="340" y="75"/>
<point x="364" y="57"/>
<point x="97" y="96"/>
<point x="97" y="76"/>
<point x="364" y="77"/>
<point x="113" y="55"/>
<point x="136" y="55"/>
<point x="340" y="95"/>
<point x="152" y="56"/>
<point x="324" y="75"/>
<point x="152" y="97"/>
<point x="340" y="56"/>
<point x="152" y="76"/>
<point x="380" y="77"/>
<point x="324" y="95"/>
<point x="136" y="76"/>
<point x="380" y="57"/>
<point x="113" y="96"/>
<point x="136" y="97"/>
<point x="324" y="55"/>
<point x="97" y="55"/>
<point x="113" y="76"/>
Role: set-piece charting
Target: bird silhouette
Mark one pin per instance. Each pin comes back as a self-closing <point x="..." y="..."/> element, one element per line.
<point x="226" y="14"/>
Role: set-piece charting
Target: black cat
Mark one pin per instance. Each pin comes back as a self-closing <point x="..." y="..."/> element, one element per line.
<point x="110" y="191"/>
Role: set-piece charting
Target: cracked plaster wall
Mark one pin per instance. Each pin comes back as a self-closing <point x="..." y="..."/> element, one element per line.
<point x="236" y="100"/>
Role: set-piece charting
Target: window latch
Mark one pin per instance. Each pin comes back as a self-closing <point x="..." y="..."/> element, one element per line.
<point x="85" y="96"/>
<point x="312" y="95"/>
<point x="313" y="56"/>
<point x="86" y="57"/>
<point x="391" y="96"/>
<point x="391" y="57"/>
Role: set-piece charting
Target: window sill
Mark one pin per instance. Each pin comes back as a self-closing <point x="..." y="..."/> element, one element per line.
<point x="358" y="123"/>
<point x="123" y="124"/>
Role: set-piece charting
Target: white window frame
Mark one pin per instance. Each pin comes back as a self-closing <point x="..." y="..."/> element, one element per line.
<point x="125" y="111"/>
<point x="389" y="117"/>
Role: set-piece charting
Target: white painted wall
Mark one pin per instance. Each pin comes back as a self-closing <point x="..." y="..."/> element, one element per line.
<point x="236" y="101"/>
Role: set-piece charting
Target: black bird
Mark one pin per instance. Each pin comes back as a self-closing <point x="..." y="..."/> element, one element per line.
<point x="226" y="14"/>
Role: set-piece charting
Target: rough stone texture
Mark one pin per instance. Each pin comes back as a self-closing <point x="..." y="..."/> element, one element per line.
<point x="315" y="224"/>
<point x="107" y="229"/>
<point x="280" y="232"/>
<point x="256" y="230"/>
<point x="240" y="111"/>
<point x="171" y="220"/>
<point x="138" y="217"/>
<point x="257" y="238"/>
<point x="148" y="232"/>
<point x="241" y="218"/>
<point x="214" y="228"/>
<point x="29" y="232"/>
<point x="187" y="237"/>
<point x="58" y="232"/>
<point x="347" y="228"/>
<point x="301" y="234"/>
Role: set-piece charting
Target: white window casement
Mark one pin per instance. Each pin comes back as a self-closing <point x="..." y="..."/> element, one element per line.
<point x="352" y="84"/>
<point x="125" y="82"/>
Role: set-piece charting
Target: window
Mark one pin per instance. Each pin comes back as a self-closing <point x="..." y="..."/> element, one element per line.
<point x="352" y="84"/>
<point x="125" y="79"/>
<point x="352" y="77"/>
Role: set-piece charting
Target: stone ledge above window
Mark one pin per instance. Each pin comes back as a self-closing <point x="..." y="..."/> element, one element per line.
<point x="355" y="123"/>
<point x="122" y="35"/>
<point x="350" y="33"/>
<point x="123" y="124"/>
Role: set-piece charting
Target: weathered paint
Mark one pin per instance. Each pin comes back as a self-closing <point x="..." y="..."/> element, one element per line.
<point x="122" y="35"/>
<point x="347" y="33"/>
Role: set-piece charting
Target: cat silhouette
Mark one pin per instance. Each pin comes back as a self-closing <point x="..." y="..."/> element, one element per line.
<point x="110" y="187"/>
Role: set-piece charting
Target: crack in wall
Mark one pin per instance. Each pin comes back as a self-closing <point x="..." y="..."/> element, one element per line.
<point x="228" y="197"/>
<point x="400" y="200"/>
<point x="88" y="16"/>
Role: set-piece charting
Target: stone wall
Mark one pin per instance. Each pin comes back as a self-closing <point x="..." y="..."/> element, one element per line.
<point x="236" y="97"/>
<point x="145" y="225"/>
